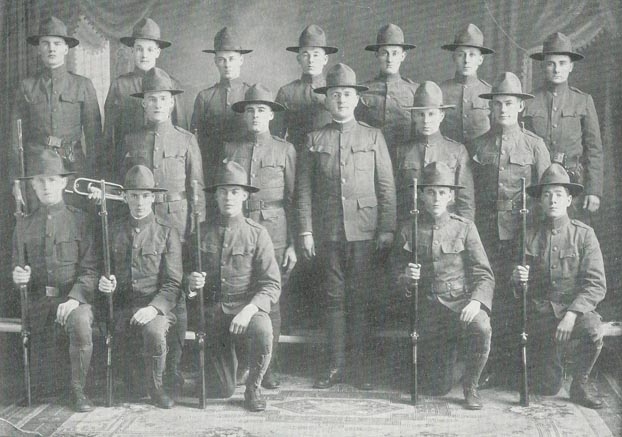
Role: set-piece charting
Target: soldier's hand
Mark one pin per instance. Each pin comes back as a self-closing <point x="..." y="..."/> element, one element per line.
<point x="240" y="322"/>
<point x="107" y="285"/>
<point x="289" y="259"/>
<point x="591" y="203"/>
<point x="21" y="275"/>
<point x="308" y="246"/>
<point x="565" y="327"/>
<point x="413" y="273"/>
<point x="144" y="315"/>
<point x="520" y="274"/>
<point x="384" y="240"/>
<point x="64" y="309"/>
<point x="95" y="194"/>
<point x="196" y="280"/>
<point x="17" y="192"/>
<point x="470" y="311"/>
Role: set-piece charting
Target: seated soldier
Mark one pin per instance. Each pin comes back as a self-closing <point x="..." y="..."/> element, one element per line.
<point x="62" y="272"/>
<point x="457" y="285"/>
<point x="242" y="283"/>
<point x="146" y="260"/>
<point x="567" y="283"/>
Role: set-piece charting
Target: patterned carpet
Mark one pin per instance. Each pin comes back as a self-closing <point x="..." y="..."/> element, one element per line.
<point x="298" y="410"/>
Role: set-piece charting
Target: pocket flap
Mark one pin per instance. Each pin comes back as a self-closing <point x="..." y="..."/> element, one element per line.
<point x="480" y="104"/>
<point x="172" y="152"/>
<point x="521" y="158"/>
<point x="411" y="165"/>
<point x="153" y="248"/>
<point x="67" y="234"/>
<point x="573" y="112"/>
<point x="569" y="252"/>
<point x="452" y="246"/>
<point x="71" y="96"/>
<point x="321" y="148"/>
<point x="367" y="202"/>
<point x="534" y="112"/>
<point x="241" y="250"/>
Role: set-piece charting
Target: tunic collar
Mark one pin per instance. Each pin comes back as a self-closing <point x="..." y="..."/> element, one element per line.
<point x="259" y="138"/>
<point x="344" y="127"/>
<point x="138" y="72"/>
<point x="435" y="138"/>
<point x="143" y="222"/>
<point x="439" y="221"/>
<point x="392" y="77"/>
<point x="230" y="83"/>
<point x="465" y="80"/>
<point x="507" y="130"/>
<point x="161" y="127"/>
<point x="315" y="80"/>
<point x="556" y="88"/>
<point x="557" y="223"/>
<point x="226" y="222"/>
<point x="53" y="209"/>
<point x="55" y="73"/>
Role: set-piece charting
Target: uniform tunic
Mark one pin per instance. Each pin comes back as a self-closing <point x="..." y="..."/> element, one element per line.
<point x="425" y="149"/>
<point x="470" y="118"/>
<point x="566" y="119"/>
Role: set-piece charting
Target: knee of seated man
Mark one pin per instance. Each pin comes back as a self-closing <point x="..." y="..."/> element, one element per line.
<point x="79" y="324"/>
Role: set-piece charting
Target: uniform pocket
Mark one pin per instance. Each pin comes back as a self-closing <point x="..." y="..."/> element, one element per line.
<point x="271" y="173"/>
<point x="363" y="158"/>
<point x="569" y="262"/>
<point x="68" y="249"/>
<point x="452" y="246"/>
<point x="242" y="260"/>
<point x="151" y="255"/>
<point x="367" y="213"/>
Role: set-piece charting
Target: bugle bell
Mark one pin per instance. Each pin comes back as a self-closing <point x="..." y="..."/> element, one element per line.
<point x="82" y="187"/>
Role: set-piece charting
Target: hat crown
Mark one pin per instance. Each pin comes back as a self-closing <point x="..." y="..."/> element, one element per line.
<point x="139" y="177"/>
<point x="557" y="42"/>
<point x="52" y="26"/>
<point x="556" y="174"/>
<point x="390" y="34"/>
<point x="147" y="29"/>
<point x="227" y="40"/>
<point x="470" y="35"/>
<point x="340" y="75"/>
<point x="437" y="174"/>
<point x="507" y="83"/>
<point x="232" y="173"/>
<point x="428" y="95"/>
<point x="47" y="163"/>
<point x="312" y="36"/>
<point x="258" y="92"/>
<point x="157" y="79"/>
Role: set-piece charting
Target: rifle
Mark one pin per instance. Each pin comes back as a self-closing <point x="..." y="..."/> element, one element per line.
<point x="524" y="385"/>
<point x="201" y="331"/>
<point x="20" y="213"/>
<point x="103" y="213"/>
<point x="414" y="300"/>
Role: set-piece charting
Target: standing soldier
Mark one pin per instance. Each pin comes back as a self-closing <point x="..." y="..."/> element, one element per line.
<point x="346" y="200"/>
<point x="57" y="107"/>
<point x="172" y="154"/>
<point x="471" y="117"/>
<point x="62" y="273"/>
<point x="213" y="119"/>
<point x="270" y="163"/>
<point x="566" y="284"/>
<point x="147" y="265"/>
<point x="566" y="119"/>
<point x="382" y="105"/>
<point x="304" y="109"/>
<point x="458" y="283"/>
<point x="503" y="156"/>
<point x="123" y="113"/>
<point x="243" y="283"/>
<point x="429" y="146"/>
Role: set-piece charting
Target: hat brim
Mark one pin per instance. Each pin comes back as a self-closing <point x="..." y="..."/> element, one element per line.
<point x="249" y="188"/>
<point x="153" y="190"/>
<point x="375" y="47"/>
<point x="323" y="89"/>
<point x="241" y="51"/>
<point x="455" y="187"/>
<point x="327" y="49"/>
<point x="536" y="190"/>
<point x="142" y="94"/>
<point x="489" y="96"/>
<point x="129" y="41"/>
<point x="453" y="47"/>
<point x="65" y="174"/>
<point x="429" y="107"/>
<point x="541" y="55"/>
<point x="33" y="40"/>
<point x="240" y="106"/>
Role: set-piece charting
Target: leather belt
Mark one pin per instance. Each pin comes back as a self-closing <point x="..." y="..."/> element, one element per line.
<point x="506" y="205"/>
<point x="444" y="287"/>
<point x="258" y="205"/>
<point x="52" y="291"/>
<point x="63" y="147"/>
<point x="169" y="197"/>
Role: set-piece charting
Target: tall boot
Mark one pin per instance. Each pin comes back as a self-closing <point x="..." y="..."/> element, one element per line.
<point x="336" y="332"/>
<point x="155" y="366"/>
<point x="579" y="389"/>
<point x="271" y="378"/>
<point x="474" y="366"/>
<point x="253" y="401"/>
<point x="80" y="359"/>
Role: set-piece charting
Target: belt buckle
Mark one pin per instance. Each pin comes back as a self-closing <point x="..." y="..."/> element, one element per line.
<point x="559" y="158"/>
<point x="55" y="142"/>
<point x="51" y="291"/>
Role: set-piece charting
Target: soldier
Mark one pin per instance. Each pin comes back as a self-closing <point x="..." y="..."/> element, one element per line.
<point x="458" y="283"/>
<point x="62" y="272"/>
<point x="382" y="105"/>
<point x="124" y="114"/>
<point x="565" y="286"/>
<point x="213" y="119"/>
<point x="147" y="265"/>
<point x="173" y="155"/>
<point x="271" y="164"/>
<point x="566" y="119"/>
<point x="304" y="109"/>
<point x="503" y="156"/>
<point x="471" y="117"/>
<point x="243" y="283"/>
<point x="429" y="146"/>
<point x="57" y="107"/>
<point x="346" y="199"/>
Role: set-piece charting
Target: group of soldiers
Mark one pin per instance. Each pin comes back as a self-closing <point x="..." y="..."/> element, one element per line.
<point x="323" y="172"/>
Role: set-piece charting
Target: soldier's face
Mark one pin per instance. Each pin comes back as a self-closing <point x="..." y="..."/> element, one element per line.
<point x="158" y="106"/>
<point x="467" y="60"/>
<point x="139" y="202"/>
<point x="230" y="199"/>
<point x="390" y="58"/>
<point x="505" y="110"/>
<point x="436" y="199"/>
<point x="555" y="200"/>
<point x="52" y="50"/>
<point x="257" y="117"/>
<point x="49" y="189"/>
<point x="341" y="102"/>
<point x="557" y="68"/>
<point x="229" y="64"/>
<point x="428" y="121"/>
<point x="312" y="60"/>
<point x="146" y="52"/>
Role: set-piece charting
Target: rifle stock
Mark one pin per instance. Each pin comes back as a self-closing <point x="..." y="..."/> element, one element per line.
<point x="200" y="338"/>
<point x="103" y="212"/>
<point x="414" y="301"/>
<point x="524" y="384"/>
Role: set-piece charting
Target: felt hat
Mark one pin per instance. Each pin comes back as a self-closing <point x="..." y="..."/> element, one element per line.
<point x="231" y="173"/>
<point x="507" y="84"/>
<point x="145" y="29"/>
<point x="340" y="75"/>
<point x="140" y="178"/>
<point x="389" y="35"/>
<point x="313" y="36"/>
<point x="469" y="36"/>
<point x="46" y="163"/>
<point x="438" y="174"/>
<point x="554" y="175"/>
<point x="226" y="40"/>
<point x="258" y="94"/>
<point x="52" y="27"/>
<point x="428" y="96"/>
<point x="557" y="44"/>
<point x="155" y="80"/>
